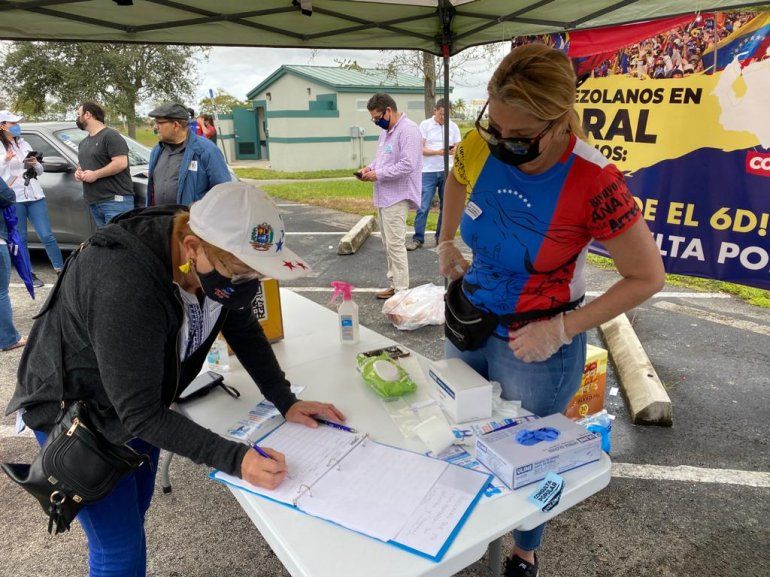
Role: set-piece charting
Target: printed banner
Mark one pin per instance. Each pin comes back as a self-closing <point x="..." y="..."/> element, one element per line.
<point x="695" y="147"/>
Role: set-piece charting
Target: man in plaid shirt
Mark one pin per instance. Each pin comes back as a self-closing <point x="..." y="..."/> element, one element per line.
<point x="397" y="175"/>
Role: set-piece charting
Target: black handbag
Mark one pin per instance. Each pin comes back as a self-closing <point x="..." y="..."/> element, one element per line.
<point x="75" y="467"/>
<point x="466" y="325"/>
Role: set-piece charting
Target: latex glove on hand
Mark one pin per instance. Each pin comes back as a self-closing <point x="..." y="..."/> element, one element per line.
<point x="262" y="472"/>
<point x="537" y="341"/>
<point x="303" y="411"/>
<point x="451" y="262"/>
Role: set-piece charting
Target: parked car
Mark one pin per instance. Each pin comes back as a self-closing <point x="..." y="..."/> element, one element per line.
<point x="69" y="214"/>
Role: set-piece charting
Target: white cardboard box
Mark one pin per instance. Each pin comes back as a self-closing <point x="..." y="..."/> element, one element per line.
<point x="518" y="465"/>
<point x="463" y="393"/>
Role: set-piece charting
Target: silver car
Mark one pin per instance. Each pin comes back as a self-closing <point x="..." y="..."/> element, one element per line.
<point x="70" y="216"/>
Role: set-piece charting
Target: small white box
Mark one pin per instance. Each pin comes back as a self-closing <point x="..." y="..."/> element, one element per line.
<point x="463" y="393"/>
<point x="517" y="464"/>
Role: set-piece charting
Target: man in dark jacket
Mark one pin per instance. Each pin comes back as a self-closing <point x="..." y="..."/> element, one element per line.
<point x="128" y="326"/>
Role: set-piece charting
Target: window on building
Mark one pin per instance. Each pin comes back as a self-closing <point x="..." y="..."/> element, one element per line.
<point x="415" y="108"/>
<point x="361" y="105"/>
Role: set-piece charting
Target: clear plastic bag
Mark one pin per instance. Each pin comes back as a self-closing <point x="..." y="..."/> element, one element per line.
<point x="414" y="308"/>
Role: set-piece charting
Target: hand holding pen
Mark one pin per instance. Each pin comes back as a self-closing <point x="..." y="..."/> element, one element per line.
<point x="264" y="467"/>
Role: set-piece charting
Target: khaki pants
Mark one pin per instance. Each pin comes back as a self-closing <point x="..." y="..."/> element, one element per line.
<point x="392" y="223"/>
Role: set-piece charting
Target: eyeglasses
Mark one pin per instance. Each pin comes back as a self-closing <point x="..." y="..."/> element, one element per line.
<point x="516" y="145"/>
<point x="377" y="119"/>
<point x="236" y="277"/>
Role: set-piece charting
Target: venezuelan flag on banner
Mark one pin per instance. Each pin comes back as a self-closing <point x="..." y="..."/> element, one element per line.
<point x="751" y="42"/>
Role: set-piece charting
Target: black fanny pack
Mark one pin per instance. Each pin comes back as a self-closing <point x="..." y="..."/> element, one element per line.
<point x="76" y="466"/>
<point x="468" y="327"/>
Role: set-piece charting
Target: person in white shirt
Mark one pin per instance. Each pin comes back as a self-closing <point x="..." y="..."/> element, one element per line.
<point x="433" y="176"/>
<point x="20" y="171"/>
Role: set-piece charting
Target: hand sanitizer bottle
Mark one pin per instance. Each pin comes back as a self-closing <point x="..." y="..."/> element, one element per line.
<point x="347" y="313"/>
<point x="218" y="358"/>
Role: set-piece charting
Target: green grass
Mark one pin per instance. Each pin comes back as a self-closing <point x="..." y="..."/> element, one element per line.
<point x="348" y="196"/>
<point x="145" y="136"/>
<point x="266" y="174"/>
<point x="753" y="296"/>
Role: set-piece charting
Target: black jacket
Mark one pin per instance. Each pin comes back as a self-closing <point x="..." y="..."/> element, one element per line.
<point x="108" y="334"/>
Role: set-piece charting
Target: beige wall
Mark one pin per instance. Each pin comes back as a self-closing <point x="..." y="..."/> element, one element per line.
<point x="290" y="93"/>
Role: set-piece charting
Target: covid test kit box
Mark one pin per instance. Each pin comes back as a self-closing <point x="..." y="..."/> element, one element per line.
<point x="463" y="393"/>
<point x="526" y="453"/>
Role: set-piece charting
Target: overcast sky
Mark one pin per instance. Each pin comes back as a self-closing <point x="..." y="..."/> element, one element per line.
<point x="238" y="70"/>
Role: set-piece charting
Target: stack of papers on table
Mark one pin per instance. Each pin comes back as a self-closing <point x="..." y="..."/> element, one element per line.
<point x="399" y="497"/>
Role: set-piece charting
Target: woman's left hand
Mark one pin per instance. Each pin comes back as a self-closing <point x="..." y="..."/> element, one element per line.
<point x="303" y="411"/>
<point x="537" y="341"/>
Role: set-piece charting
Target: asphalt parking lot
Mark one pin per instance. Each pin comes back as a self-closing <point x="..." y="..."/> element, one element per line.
<point x="708" y="518"/>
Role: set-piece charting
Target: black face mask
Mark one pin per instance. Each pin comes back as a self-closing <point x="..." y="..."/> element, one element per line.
<point x="80" y="124"/>
<point x="501" y="153"/>
<point x="220" y="288"/>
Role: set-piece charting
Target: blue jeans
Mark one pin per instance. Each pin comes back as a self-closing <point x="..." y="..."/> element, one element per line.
<point x="114" y="526"/>
<point x="8" y="333"/>
<point x="37" y="213"/>
<point x="430" y="182"/>
<point x="104" y="212"/>
<point x="543" y="388"/>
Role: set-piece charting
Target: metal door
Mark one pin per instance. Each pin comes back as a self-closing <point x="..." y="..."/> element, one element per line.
<point x="246" y="134"/>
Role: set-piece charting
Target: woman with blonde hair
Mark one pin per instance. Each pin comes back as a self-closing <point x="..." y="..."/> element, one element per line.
<point x="529" y="195"/>
<point x="127" y="328"/>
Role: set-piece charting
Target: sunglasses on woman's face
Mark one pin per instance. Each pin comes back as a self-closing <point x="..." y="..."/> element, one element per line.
<point x="517" y="145"/>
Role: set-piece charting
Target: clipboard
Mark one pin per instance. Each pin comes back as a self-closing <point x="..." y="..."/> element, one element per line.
<point x="424" y="522"/>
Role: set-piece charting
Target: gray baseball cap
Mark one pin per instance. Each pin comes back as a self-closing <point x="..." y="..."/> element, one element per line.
<point x="171" y="110"/>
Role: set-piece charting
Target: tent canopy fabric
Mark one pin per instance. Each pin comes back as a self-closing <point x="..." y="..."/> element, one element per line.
<point x="362" y="24"/>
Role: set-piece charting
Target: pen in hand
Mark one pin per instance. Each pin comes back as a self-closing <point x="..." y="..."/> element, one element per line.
<point x="334" y="425"/>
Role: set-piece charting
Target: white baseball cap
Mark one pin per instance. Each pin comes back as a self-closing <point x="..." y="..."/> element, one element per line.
<point x="242" y="220"/>
<point x="8" y="116"/>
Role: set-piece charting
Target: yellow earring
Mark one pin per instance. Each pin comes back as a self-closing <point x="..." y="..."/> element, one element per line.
<point x="185" y="268"/>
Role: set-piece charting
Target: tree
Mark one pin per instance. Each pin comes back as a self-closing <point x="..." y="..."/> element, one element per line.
<point x="118" y="76"/>
<point x="222" y="103"/>
<point x="461" y="67"/>
<point x="460" y="108"/>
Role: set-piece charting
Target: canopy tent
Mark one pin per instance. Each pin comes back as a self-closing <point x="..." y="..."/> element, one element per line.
<point x="364" y="24"/>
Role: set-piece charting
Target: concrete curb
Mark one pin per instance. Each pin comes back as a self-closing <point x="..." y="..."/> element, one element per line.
<point x="357" y="235"/>
<point x="646" y="398"/>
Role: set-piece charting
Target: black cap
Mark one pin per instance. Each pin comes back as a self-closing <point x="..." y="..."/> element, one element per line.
<point x="171" y="110"/>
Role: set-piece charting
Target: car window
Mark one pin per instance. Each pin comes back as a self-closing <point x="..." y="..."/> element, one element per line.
<point x="138" y="154"/>
<point x="39" y="144"/>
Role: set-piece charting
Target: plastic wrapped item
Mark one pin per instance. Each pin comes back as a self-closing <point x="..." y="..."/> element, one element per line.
<point x="384" y="376"/>
<point x="502" y="407"/>
<point x="408" y="415"/>
<point x="414" y="308"/>
<point x="601" y="424"/>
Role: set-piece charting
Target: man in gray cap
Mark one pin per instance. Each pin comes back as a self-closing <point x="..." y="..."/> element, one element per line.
<point x="183" y="165"/>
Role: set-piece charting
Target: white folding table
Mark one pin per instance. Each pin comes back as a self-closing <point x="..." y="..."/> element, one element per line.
<point x="312" y="355"/>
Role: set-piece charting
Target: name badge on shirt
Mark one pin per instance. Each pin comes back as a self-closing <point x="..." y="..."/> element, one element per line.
<point x="389" y="149"/>
<point x="472" y="209"/>
<point x="118" y="198"/>
<point x="194" y="165"/>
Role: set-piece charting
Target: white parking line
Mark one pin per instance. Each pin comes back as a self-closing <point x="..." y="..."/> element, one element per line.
<point x="310" y="289"/>
<point x="714" y="317"/>
<point x="691" y="474"/>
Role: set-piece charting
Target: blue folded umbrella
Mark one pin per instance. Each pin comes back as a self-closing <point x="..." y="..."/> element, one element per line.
<point x="19" y="253"/>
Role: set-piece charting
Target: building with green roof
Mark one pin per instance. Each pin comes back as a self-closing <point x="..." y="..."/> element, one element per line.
<point x="315" y="117"/>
